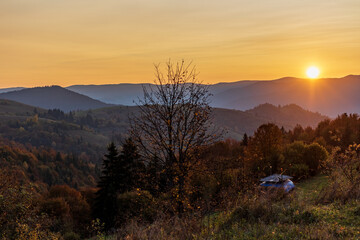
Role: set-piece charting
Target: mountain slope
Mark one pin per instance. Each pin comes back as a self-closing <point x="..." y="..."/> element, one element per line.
<point x="287" y="115"/>
<point x="115" y="120"/>
<point x="12" y="108"/>
<point x="124" y="94"/>
<point x="91" y="131"/>
<point x="53" y="97"/>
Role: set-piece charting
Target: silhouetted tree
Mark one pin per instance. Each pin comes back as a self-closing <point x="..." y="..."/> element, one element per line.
<point x="265" y="149"/>
<point x="105" y="203"/>
<point x="121" y="173"/>
<point x="129" y="167"/>
<point x="174" y="121"/>
<point x="245" y="140"/>
<point x="314" y="155"/>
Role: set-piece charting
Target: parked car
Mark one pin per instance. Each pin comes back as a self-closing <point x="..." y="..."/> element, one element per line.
<point x="278" y="181"/>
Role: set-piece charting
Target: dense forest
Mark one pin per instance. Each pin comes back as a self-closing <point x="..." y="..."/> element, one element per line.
<point x="52" y="194"/>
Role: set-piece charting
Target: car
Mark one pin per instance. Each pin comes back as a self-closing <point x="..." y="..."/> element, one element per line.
<point x="278" y="181"/>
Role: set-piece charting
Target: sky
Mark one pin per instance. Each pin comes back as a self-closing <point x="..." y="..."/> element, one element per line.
<point x="48" y="42"/>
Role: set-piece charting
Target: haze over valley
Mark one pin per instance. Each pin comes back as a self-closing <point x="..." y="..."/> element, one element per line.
<point x="328" y="96"/>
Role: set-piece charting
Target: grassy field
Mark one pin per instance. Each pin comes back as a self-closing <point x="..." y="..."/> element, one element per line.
<point x="263" y="216"/>
<point x="296" y="216"/>
<point x="309" y="189"/>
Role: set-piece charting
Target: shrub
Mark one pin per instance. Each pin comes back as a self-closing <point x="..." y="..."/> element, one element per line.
<point x="344" y="170"/>
<point x="71" y="236"/>
<point x="136" y="204"/>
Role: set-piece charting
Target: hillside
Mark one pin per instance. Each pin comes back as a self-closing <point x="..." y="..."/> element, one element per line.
<point x="12" y="108"/>
<point x="114" y="120"/>
<point x="124" y="94"/>
<point x="91" y="131"/>
<point x="50" y="129"/>
<point x="53" y="97"/>
<point x="286" y="115"/>
<point x="329" y="96"/>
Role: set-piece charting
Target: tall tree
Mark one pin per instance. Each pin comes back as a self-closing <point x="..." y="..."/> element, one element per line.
<point x="129" y="168"/>
<point x="265" y="147"/>
<point x="174" y="121"/>
<point x="105" y="202"/>
<point x="121" y="173"/>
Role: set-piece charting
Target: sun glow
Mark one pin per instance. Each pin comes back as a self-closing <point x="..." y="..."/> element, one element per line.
<point x="312" y="72"/>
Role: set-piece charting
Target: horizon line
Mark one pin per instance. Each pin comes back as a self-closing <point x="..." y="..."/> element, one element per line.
<point x="244" y="80"/>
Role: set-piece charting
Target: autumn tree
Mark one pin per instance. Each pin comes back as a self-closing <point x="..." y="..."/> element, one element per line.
<point x="314" y="156"/>
<point x="265" y="149"/>
<point x="173" y="122"/>
<point x="68" y="207"/>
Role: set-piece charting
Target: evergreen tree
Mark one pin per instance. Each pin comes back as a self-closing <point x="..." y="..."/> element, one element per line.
<point x="120" y="174"/>
<point x="130" y="167"/>
<point x="245" y="140"/>
<point x="105" y="202"/>
<point x="153" y="176"/>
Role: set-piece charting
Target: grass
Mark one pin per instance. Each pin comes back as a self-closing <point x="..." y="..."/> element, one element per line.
<point x="262" y="216"/>
<point x="309" y="189"/>
<point x="294" y="217"/>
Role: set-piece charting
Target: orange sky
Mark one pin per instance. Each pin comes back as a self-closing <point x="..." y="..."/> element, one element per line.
<point x="67" y="42"/>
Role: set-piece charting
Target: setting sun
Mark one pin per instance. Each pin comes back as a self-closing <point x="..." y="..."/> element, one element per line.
<point x="312" y="72"/>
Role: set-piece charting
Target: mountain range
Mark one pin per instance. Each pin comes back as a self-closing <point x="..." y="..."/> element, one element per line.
<point x="329" y="96"/>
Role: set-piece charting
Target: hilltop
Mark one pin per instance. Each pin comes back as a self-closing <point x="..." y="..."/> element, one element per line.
<point x="53" y="97"/>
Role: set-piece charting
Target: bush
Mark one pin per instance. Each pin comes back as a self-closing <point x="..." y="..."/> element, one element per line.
<point x="136" y="204"/>
<point x="303" y="160"/>
<point x="344" y="171"/>
<point x="71" y="236"/>
<point x="299" y="171"/>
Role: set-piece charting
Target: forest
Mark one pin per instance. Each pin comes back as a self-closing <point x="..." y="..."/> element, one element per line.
<point x="48" y="194"/>
<point x="175" y="176"/>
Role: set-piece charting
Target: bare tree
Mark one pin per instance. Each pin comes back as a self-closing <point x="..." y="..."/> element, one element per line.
<point x="173" y="123"/>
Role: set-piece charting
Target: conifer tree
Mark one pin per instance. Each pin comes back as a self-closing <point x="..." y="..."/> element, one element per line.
<point x="105" y="202"/>
<point x="129" y="167"/>
<point x="245" y="140"/>
<point x="120" y="174"/>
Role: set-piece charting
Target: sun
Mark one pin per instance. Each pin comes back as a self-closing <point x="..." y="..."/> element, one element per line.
<point x="312" y="72"/>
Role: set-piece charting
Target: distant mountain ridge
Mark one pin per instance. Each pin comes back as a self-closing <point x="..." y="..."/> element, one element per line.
<point x="123" y="94"/>
<point x="329" y="96"/>
<point x="4" y="90"/>
<point x="53" y="97"/>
